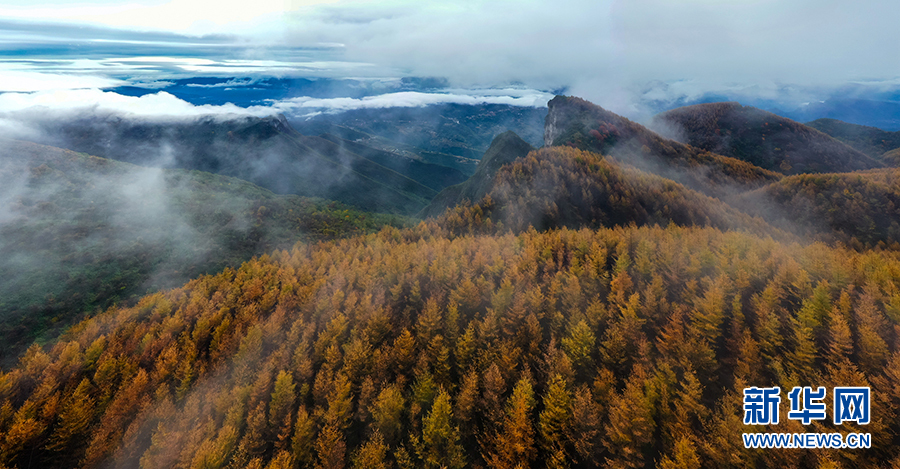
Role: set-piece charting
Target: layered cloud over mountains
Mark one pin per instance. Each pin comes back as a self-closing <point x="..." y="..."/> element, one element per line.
<point x="22" y="112"/>
<point x="636" y="58"/>
<point x="157" y="105"/>
<point x="415" y="99"/>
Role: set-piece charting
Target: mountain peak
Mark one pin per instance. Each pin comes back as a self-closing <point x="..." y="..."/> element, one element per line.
<point x="505" y="148"/>
<point x="564" y="111"/>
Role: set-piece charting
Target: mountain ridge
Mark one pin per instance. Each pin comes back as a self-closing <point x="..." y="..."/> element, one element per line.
<point x="873" y="141"/>
<point x="860" y="209"/>
<point x="762" y="138"/>
<point x="265" y="151"/>
<point x="505" y="148"/>
<point x="556" y="187"/>
<point x="579" y="308"/>
<point x="578" y="123"/>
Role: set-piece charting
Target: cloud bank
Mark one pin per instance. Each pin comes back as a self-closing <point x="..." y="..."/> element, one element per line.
<point x="27" y="115"/>
<point x="156" y="106"/>
<point x="411" y="99"/>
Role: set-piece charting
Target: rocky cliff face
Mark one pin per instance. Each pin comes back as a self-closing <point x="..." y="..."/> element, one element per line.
<point x="552" y="128"/>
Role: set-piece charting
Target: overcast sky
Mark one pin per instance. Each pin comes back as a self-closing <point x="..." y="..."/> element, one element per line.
<point x="608" y="51"/>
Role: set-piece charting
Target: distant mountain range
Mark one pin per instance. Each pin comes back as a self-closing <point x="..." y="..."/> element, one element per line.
<point x="455" y="129"/>
<point x="580" y="124"/>
<point x="724" y="144"/>
<point x="883" y="113"/>
<point x="267" y="152"/>
<point x="249" y="91"/>
<point x="858" y="104"/>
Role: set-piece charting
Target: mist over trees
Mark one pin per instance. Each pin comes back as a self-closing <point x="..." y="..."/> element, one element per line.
<point x="79" y="233"/>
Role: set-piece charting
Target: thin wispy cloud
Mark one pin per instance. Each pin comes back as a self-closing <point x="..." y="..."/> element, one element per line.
<point x="21" y="81"/>
<point x="196" y="17"/>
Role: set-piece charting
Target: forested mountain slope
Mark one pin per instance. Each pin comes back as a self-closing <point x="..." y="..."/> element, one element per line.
<point x="761" y="138"/>
<point x="560" y="186"/>
<point x="433" y="176"/>
<point x="589" y="307"/>
<point x="869" y="140"/>
<point x="624" y="347"/>
<point x="577" y="123"/>
<point x="465" y="165"/>
<point x="506" y="148"/>
<point x="860" y="208"/>
<point x="892" y="158"/>
<point x="79" y="233"/>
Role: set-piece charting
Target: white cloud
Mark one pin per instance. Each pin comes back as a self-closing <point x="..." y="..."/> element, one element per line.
<point x="42" y="74"/>
<point x="18" y="109"/>
<point x="159" y="105"/>
<point x="234" y="82"/>
<point x="275" y="68"/>
<point x="412" y="99"/>
<point x="151" y="85"/>
<point x="608" y="50"/>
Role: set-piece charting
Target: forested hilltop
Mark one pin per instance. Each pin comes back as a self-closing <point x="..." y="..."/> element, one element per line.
<point x="861" y="209"/>
<point x="761" y="138"/>
<point x="876" y="143"/>
<point x="586" y="304"/>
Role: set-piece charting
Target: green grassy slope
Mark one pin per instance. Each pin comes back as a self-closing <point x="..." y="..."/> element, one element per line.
<point x="399" y="149"/>
<point x="457" y="129"/>
<point x="266" y="152"/>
